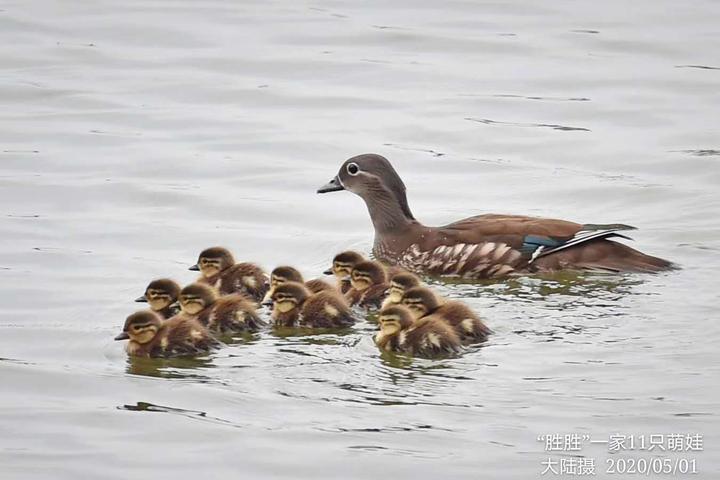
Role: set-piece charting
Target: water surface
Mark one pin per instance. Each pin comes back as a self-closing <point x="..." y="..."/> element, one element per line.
<point x="134" y="134"/>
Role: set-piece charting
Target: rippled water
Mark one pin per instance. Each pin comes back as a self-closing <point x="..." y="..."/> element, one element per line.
<point x="134" y="134"/>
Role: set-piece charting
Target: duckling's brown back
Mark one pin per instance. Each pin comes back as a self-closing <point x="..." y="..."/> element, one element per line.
<point x="234" y="313"/>
<point x="326" y="309"/>
<point x="431" y="336"/>
<point x="180" y="336"/>
<point x="244" y="277"/>
<point x="317" y="285"/>
<point x="464" y="320"/>
<point x="373" y="296"/>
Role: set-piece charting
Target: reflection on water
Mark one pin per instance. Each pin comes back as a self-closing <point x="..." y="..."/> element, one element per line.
<point x="193" y="368"/>
<point x="192" y="414"/>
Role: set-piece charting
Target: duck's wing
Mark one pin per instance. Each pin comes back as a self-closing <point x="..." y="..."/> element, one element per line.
<point x="540" y="245"/>
<point x="492" y="246"/>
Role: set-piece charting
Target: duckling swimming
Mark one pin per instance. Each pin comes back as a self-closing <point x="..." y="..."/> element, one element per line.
<point x="368" y="282"/>
<point x="428" y="337"/>
<point x="218" y="268"/>
<point x="423" y="302"/>
<point x="162" y="295"/>
<point x="342" y="266"/>
<point x="225" y="315"/>
<point x="151" y="336"/>
<point x="295" y="305"/>
<point x="285" y="274"/>
<point x="399" y="284"/>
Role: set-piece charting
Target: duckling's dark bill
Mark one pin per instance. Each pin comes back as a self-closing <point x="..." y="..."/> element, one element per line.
<point x="122" y="336"/>
<point x="194" y="268"/>
<point x="333" y="185"/>
<point x="141" y="298"/>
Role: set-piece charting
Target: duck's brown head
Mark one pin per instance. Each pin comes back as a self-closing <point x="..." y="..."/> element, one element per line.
<point x="279" y="276"/>
<point x="343" y="263"/>
<point x="285" y="274"/>
<point x="394" y="319"/>
<point x="366" y="274"/>
<point x="196" y="297"/>
<point x="160" y="294"/>
<point x="370" y="176"/>
<point x="141" y="327"/>
<point x="213" y="260"/>
<point x="289" y="296"/>
<point x="399" y="284"/>
<point x="421" y="301"/>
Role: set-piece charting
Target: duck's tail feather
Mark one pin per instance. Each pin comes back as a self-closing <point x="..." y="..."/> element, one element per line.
<point x="541" y="246"/>
<point x="595" y="254"/>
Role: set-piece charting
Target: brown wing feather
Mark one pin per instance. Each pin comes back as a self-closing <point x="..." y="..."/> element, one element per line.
<point x="374" y="296"/>
<point x="466" y="323"/>
<point x="234" y="313"/>
<point x="181" y="336"/>
<point x="603" y="255"/>
<point x="326" y="310"/>
<point x="429" y="337"/>
<point x="510" y="229"/>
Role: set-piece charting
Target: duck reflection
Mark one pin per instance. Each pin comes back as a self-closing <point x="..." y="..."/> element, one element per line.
<point x="178" y="367"/>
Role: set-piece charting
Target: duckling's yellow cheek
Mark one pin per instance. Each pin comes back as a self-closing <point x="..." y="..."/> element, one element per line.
<point x="191" y="308"/>
<point x="158" y="303"/>
<point x="417" y="312"/>
<point x="395" y="296"/>
<point x="390" y="329"/>
<point x="208" y="271"/>
<point x="359" y="284"/>
<point x="143" y="336"/>
<point x="284" y="307"/>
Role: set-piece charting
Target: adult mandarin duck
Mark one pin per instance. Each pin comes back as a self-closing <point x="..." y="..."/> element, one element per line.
<point x="483" y="246"/>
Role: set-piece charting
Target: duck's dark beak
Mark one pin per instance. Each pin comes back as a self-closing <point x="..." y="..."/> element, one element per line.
<point x="194" y="268"/>
<point x="333" y="185"/>
<point x="267" y="302"/>
<point x="141" y="298"/>
<point x="328" y="272"/>
<point x="122" y="336"/>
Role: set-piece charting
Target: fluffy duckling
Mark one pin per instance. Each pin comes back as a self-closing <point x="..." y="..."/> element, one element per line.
<point x="225" y="315"/>
<point x="285" y="274"/>
<point x="399" y="284"/>
<point x="342" y="266"/>
<point x="368" y="282"/>
<point x="295" y="305"/>
<point x="161" y="295"/>
<point x="428" y="337"/>
<point x="423" y="302"/>
<point x="151" y="336"/>
<point x="218" y="268"/>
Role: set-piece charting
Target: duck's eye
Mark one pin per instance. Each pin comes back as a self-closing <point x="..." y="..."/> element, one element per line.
<point x="353" y="169"/>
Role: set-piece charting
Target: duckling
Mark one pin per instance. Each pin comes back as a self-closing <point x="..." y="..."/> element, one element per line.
<point x="151" y="336"/>
<point x="284" y="274"/>
<point x="295" y="305"/>
<point x="342" y="265"/>
<point x="399" y="283"/>
<point x="225" y="315"/>
<point x="368" y="284"/>
<point x="428" y="337"/>
<point x="162" y="295"/>
<point x="218" y="268"/>
<point x="423" y="303"/>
